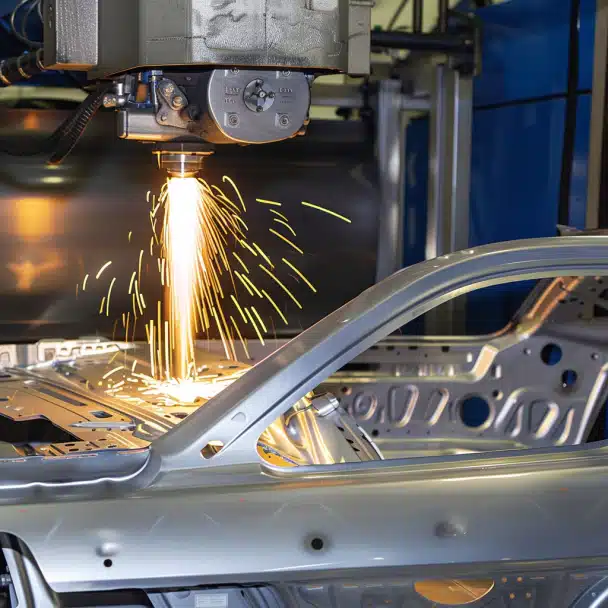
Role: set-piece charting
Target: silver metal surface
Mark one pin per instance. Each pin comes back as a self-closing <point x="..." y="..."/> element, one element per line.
<point x="390" y="136"/>
<point x="28" y="588"/>
<point x="450" y="151"/>
<point x="84" y="398"/>
<point x="141" y="125"/>
<point x="451" y="118"/>
<point x="327" y="35"/>
<point x="440" y="517"/>
<point x="71" y="34"/>
<point x="540" y="381"/>
<point x="230" y="106"/>
<point x="596" y="158"/>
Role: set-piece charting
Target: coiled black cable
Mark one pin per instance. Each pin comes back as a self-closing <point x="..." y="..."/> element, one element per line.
<point x="23" y="67"/>
<point x="63" y="139"/>
<point x="70" y="132"/>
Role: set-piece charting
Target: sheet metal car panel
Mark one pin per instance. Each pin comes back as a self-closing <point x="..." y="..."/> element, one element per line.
<point x="184" y="519"/>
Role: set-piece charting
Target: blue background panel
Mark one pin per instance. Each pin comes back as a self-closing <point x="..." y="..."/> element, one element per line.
<point x="515" y="171"/>
<point x="578" y="185"/>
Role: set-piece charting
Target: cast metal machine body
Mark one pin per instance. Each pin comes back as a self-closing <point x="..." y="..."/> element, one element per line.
<point x="191" y="73"/>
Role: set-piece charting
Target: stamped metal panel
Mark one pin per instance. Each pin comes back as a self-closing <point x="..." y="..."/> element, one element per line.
<point x="540" y="381"/>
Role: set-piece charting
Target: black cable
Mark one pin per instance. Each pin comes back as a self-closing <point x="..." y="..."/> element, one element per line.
<point x="63" y="139"/>
<point x="563" y="210"/>
<point x="73" y="131"/>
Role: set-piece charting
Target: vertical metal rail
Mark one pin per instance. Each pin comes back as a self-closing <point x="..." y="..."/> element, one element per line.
<point x="390" y="138"/>
<point x="417" y="16"/>
<point x="451" y="120"/>
<point x="598" y="139"/>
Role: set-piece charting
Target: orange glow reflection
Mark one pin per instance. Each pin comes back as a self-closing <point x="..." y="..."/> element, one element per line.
<point x="34" y="218"/>
<point x="31" y="122"/>
<point x="27" y="272"/>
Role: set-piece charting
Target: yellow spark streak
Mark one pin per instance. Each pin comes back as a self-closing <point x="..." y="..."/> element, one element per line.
<point x="250" y="283"/>
<point x="246" y="245"/>
<point x="281" y="286"/>
<point x="239" y="219"/>
<point x="102" y="269"/>
<point x="130" y="235"/>
<point x="275" y="306"/>
<point x="286" y="225"/>
<point x="134" y="365"/>
<point x="103" y="301"/>
<point x="241" y="278"/>
<point x="108" y="299"/>
<point x="84" y="283"/>
<point x="141" y="255"/>
<point x="127" y="327"/>
<point x="131" y="283"/>
<point x="141" y="297"/>
<point x="257" y="331"/>
<point x="257" y="316"/>
<point x="286" y="240"/>
<point x="236" y="255"/>
<point x="118" y="385"/>
<point x="238" y="332"/>
<point x="267" y="202"/>
<point x="264" y="255"/>
<point x="167" y="369"/>
<point x="236" y="303"/>
<point x="112" y="371"/>
<point x="136" y="298"/>
<point x="152" y="350"/>
<point x="279" y="214"/>
<point x="299" y="273"/>
<point x="324" y="210"/>
<point x="225" y="178"/>
<point x="152" y="246"/>
<point x="140" y="300"/>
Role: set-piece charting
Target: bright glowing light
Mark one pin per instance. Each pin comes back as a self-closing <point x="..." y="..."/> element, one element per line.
<point x="183" y="242"/>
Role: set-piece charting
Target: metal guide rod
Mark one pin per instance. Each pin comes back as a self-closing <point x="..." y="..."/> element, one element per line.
<point x="391" y="168"/>
<point x="598" y="144"/>
<point x="451" y="117"/>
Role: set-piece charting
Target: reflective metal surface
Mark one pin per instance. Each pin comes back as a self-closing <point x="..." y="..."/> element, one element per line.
<point x="331" y="35"/>
<point x="57" y="224"/>
<point x="477" y="516"/>
<point x="540" y="381"/>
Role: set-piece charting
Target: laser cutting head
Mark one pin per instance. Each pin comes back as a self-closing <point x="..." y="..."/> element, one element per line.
<point x="182" y="159"/>
<point x="186" y="113"/>
<point x="199" y="72"/>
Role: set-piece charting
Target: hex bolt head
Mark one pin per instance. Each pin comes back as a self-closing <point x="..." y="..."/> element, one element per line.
<point x="262" y="94"/>
<point x="110" y="100"/>
<point x="167" y="88"/>
<point x="163" y="118"/>
<point x="259" y="109"/>
<point x="233" y="120"/>
<point x="234" y="70"/>
<point x="285" y="73"/>
<point x="178" y="102"/>
<point x="284" y="120"/>
<point x="271" y="95"/>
